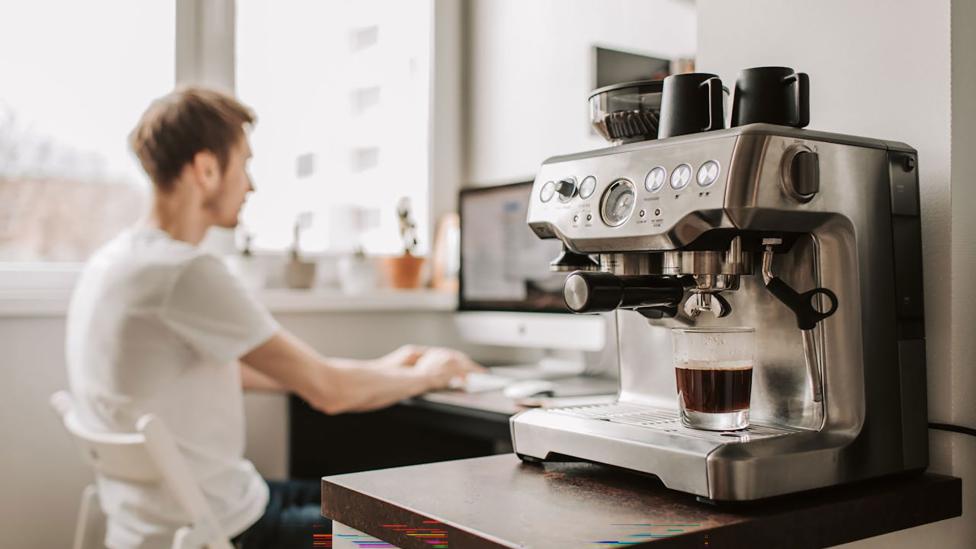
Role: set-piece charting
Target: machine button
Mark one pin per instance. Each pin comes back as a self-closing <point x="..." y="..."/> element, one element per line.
<point x="547" y="191"/>
<point x="654" y="179"/>
<point x="587" y="187"/>
<point x="680" y="177"/>
<point x="708" y="173"/>
<point x="566" y="189"/>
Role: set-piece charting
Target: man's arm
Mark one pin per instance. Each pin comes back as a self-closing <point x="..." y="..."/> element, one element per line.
<point x="253" y="380"/>
<point x="335" y="385"/>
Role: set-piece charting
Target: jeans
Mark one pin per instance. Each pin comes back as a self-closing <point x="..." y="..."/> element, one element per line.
<point x="292" y="519"/>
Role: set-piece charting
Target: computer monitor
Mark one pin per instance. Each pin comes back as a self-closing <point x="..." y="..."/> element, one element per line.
<point x="507" y="295"/>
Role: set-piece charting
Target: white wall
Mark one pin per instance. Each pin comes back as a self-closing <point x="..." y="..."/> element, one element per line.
<point x="882" y="69"/>
<point x="530" y="70"/>
<point x="963" y="228"/>
<point x="446" y="133"/>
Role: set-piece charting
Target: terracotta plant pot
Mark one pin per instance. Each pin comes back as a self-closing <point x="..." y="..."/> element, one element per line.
<point x="403" y="272"/>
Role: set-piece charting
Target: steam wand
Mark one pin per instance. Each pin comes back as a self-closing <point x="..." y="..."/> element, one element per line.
<point x="807" y="315"/>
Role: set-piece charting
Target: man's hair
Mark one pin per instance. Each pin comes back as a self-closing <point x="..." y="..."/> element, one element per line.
<point x="182" y="123"/>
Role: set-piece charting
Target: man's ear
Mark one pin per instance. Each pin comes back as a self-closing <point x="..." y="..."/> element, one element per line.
<point x="206" y="169"/>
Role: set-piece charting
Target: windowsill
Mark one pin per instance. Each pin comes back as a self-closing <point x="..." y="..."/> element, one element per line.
<point x="54" y="301"/>
<point x="331" y="300"/>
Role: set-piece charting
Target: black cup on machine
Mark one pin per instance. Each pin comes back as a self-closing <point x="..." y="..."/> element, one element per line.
<point x="771" y="95"/>
<point x="692" y="102"/>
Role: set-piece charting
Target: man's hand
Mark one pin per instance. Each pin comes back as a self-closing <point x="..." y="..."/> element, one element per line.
<point x="406" y="355"/>
<point x="439" y="366"/>
<point x="335" y="386"/>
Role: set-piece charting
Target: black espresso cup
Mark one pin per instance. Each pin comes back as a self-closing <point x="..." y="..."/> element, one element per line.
<point x="771" y="95"/>
<point x="692" y="102"/>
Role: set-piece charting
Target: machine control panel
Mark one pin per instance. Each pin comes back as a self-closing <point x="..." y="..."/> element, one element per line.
<point x="634" y="193"/>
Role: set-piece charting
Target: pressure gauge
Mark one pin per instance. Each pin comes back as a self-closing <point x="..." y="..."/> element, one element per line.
<point x="618" y="202"/>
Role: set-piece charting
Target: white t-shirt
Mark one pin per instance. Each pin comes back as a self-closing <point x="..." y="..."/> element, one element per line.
<point x="156" y="326"/>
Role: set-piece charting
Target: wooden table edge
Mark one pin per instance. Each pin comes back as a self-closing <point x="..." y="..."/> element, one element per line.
<point x="742" y="534"/>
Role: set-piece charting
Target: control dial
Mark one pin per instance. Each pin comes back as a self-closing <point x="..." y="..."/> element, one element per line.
<point x="801" y="173"/>
<point x="566" y="189"/>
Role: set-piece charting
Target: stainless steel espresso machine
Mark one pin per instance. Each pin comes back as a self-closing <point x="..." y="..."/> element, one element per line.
<point x="811" y="238"/>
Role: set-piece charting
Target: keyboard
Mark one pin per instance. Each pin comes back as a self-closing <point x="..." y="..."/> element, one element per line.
<point x="481" y="383"/>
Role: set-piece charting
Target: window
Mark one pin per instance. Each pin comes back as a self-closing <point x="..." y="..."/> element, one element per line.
<point x="341" y="91"/>
<point x="74" y="79"/>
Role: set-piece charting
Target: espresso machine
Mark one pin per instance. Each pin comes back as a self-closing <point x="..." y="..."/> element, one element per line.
<point x="811" y="238"/>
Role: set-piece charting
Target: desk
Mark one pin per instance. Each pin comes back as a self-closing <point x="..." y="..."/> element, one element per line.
<point x="496" y="502"/>
<point x="433" y="427"/>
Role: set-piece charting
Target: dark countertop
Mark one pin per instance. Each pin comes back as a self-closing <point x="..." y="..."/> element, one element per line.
<point x="499" y="502"/>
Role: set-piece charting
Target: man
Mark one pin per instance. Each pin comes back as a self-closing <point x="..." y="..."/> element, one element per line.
<point x="157" y="325"/>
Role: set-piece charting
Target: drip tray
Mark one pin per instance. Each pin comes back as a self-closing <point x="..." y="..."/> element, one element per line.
<point x="667" y="421"/>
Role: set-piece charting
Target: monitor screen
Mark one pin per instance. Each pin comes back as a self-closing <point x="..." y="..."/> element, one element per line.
<point x="504" y="265"/>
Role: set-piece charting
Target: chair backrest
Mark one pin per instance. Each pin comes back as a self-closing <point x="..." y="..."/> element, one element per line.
<point x="148" y="455"/>
<point x="123" y="456"/>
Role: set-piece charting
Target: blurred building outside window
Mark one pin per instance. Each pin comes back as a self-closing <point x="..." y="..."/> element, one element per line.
<point x="342" y="94"/>
<point x="73" y="82"/>
<point x="341" y="90"/>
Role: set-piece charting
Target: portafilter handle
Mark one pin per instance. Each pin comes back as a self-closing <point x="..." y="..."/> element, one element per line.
<point x="593" y="292"/>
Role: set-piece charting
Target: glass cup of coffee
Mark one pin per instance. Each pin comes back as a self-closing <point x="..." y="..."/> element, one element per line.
<point x="713" y="367"/>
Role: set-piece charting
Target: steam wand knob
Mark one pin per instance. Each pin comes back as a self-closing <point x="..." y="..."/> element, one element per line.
<point x="802" y="304"/>
<point x="807" y="316"/>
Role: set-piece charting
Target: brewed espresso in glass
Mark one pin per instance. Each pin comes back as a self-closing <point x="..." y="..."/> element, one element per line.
<point x="713" y="373"/>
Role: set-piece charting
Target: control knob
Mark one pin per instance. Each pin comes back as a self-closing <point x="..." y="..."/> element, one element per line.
<point x="801" y="173"/>
<point x="566" y="189"/>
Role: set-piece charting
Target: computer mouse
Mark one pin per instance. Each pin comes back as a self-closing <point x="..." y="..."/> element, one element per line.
<point x="529" y="388"/>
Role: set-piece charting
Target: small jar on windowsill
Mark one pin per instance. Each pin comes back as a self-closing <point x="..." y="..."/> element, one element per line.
<point x="299" y="274"/>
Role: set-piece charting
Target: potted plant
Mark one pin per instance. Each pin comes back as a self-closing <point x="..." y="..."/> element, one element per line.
<point x="404" y="271"/>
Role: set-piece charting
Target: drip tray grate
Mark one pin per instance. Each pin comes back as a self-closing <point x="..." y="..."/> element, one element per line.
<point x="667" y="421"/>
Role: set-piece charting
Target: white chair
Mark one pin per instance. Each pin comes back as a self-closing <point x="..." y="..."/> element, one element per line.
<point x="149" y="455"/>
